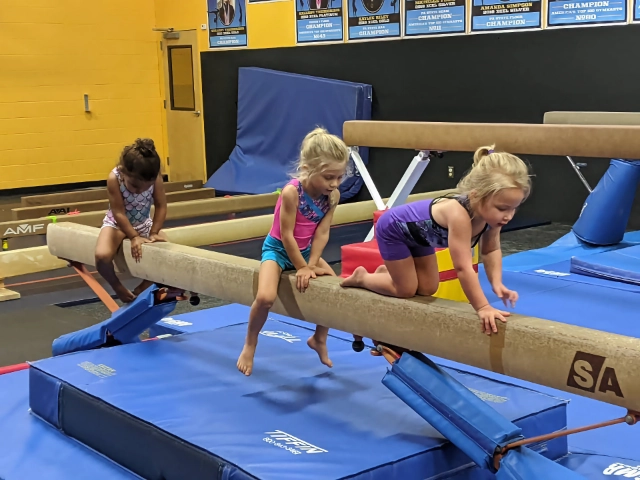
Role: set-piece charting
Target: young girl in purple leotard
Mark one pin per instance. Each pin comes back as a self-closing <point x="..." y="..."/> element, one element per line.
<point x="299" y="234"/>
<point x="407" y="236"/>
<point x="132" y="187"/>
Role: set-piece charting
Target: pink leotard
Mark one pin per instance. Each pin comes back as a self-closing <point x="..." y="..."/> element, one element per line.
<point x="308" y="216"/>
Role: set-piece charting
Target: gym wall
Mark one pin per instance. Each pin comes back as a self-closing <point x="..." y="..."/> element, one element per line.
<point x="51" y="54"/>
<point x="508" y="77"/>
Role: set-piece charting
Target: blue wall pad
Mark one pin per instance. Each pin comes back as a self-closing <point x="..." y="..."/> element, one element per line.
<point x="606" y="211"/>
<point x="191" y="400"/>
<point x="125" y="325"/>
<point x="562" y="250"/>
<point x="451" y="408"/>
<point x="32" y="450"/>
<point x="620" y="265"/>
<point x="275" y="112"/>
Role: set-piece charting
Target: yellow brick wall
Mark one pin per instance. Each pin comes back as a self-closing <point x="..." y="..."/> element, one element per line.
<point x="51" y="54"/>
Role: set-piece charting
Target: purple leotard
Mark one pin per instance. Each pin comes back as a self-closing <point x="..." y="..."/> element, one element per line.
<point x="409" y="230"/>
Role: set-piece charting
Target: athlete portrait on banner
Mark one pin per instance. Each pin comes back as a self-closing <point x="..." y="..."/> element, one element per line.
<point x="318" y="21"/>
<point x="226" y="11"/>
<point x="227" y="23"/>
<point x="370" y="19"/>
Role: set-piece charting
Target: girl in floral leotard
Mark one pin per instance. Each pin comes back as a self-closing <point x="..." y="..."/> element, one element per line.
<point x="133" y="186"/>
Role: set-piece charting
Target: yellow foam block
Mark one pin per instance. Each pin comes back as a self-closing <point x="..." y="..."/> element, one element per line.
<point x="444" y="259"/>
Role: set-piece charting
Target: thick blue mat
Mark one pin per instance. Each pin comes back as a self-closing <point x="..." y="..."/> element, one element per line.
<point x="592" y="467"/>
<point x="561" y="250"/>
<point x="275" y="112"/>
<point x="32" y="450"/>
<point x="621" y="265"/>
<point x="346" y="423"/>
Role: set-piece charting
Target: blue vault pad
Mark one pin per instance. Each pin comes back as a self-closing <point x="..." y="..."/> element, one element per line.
<point x="463" y="418"/>
<point x="605" y="213"/>
<point x="32" y="450"/>
<point x="267" y="149"/>
<point x="125" y="325"/>
<point x="620" y="265"/>
<point x="181" y="402"/>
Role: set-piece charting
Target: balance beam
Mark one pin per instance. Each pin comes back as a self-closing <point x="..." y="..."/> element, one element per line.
<point x="532" y="349"/>
<point x="96" y="194"/>
<point x="606" y="141"/>
<point x="62" y="208"/>
<point x="592" y="118"/>
<point x="175" y="211"/>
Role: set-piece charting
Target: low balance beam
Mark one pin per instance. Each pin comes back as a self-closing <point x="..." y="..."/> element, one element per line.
<point x="532" y="349"/>
<point x="14" y="263"/>
<point x="596" y="141"/>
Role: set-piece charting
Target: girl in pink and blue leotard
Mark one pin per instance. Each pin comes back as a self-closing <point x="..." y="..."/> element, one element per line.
<point x="408" y="235"/>
<point x="299" y="234"/>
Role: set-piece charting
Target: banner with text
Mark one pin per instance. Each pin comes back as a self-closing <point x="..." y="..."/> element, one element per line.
<point x="373" y="19"/>
<point x="586" y="13"/>
<point x="428" y="17"/>
<point x="489" y="15"/>
<point x="227" y="23"/>
<point x="319" y="21"/>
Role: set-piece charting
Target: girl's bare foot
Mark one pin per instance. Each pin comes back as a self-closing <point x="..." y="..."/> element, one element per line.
<point x="124" y="294"/>
<point x="355" y="279"/>
<point x="321" y="349"/>
<point x="245" y="361"/>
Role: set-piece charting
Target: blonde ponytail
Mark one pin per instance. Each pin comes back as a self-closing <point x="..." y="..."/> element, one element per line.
<point x="494" y="171"/>
<point x="320" y="150"/>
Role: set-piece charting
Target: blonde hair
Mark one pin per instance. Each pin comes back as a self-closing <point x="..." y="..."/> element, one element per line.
<point x="492" y="172"/>
<point x="320" y="149"/>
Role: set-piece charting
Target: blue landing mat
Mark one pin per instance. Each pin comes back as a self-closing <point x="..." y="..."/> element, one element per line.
<point x="231" y="314"/>
<point x="346" y="423"/>
<point x="561" y="250"/>
<point x="592" y="467"/>
<point x="607" y="309"/>
<point x="32" y="450"/>
<point x="621" y="265"/>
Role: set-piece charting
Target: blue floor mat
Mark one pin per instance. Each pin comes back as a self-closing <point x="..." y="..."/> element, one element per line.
<point x="561" y="250"/>
<point x="354" y="425"/>
<point x="607" y="309"/>
<point x="32" y="450"/>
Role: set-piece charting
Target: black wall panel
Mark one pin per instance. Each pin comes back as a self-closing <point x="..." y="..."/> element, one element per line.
<point x="513" y="77"/>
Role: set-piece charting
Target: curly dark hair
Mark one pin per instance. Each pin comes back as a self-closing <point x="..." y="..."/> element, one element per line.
<point x="140" y="160"/>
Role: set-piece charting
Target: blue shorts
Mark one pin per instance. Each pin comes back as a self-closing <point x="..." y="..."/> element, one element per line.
<point x="273" y="249"/>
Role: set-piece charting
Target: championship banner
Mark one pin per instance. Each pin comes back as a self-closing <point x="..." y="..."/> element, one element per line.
<point x="587" y="13"/>
<point x="488" y="15"/>
<point x="227" y="23"/>
<point x="428" y="17"/>
<point x="370" y="19"/>
<point x="319" y="21"/>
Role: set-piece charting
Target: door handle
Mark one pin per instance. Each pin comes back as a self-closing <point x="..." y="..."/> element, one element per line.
<point x="197" y="113"/>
